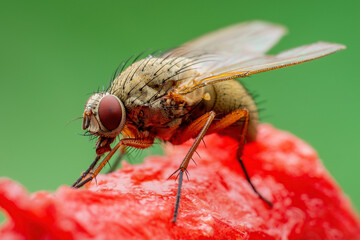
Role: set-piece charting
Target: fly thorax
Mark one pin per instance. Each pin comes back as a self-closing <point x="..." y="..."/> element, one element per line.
<point x="151" y="78"/>
<point x="205" y="96"/>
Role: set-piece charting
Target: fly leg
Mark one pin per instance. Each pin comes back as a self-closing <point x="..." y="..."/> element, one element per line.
<point x="102" y="146"/>
<point x="240" y="152"/>
<point x="130" y="142"/>
<point x="84" y="174"/>
<point x="122" y="152"/>
<point x="228" y="120"/>
<point x="203" y="123"/>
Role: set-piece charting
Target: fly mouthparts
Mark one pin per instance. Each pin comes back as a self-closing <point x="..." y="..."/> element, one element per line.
<point x="86" y="122"/>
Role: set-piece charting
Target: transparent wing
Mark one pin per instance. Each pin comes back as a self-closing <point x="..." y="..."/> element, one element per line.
<point x="239" y="42"/>
<point x="247" y="37"/>
<point x="259" y="64"/>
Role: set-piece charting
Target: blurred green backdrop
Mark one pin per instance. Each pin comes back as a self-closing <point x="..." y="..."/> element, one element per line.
<point x="53" y="55"/>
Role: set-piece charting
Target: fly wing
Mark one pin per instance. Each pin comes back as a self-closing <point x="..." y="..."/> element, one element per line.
<point x="247" y="37"/>
<point x="236" y="43"/>
<point x="259" y="64"/>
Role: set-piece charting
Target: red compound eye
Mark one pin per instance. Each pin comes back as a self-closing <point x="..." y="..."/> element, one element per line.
<point x="110" y="112"/>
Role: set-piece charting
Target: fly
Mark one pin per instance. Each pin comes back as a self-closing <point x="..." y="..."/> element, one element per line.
<point x="189" y="92"/>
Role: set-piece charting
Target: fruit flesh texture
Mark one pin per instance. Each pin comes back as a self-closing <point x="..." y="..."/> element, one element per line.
<point x="137" y="202"/>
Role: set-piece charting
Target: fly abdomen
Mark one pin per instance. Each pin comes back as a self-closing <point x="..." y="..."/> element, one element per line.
<point x="230" y="96"/>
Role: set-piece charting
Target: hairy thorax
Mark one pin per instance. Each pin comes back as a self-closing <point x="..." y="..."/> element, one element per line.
<point x="145" y="89"/>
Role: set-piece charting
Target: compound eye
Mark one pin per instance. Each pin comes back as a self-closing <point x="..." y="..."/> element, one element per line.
<point x="110" y="112"/>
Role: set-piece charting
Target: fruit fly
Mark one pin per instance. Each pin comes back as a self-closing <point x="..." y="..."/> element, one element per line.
<point x="189" y="92"/>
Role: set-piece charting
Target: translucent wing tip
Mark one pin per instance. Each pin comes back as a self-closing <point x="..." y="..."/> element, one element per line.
<point x="334" y="46"/>
<point x="316" y="50"/>
<point x="265" y="24"/>
<point x="255" y="36"/>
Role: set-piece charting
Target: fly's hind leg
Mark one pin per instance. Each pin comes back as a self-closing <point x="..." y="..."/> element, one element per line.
<point x="240" y="152"/>
<point x="200" y="127"/>
<point x="229" y="120"/>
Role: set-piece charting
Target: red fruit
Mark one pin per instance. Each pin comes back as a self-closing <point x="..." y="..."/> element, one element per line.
<point x="137" y="202"/>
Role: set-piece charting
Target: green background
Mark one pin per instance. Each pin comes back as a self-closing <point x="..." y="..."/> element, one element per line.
<point x="53" y="55"/>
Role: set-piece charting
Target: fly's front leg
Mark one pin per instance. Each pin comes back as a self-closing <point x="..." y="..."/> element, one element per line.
<point x="84" y="174"/>
<point x="122" y="153"/>
<point x="130" y="142"/>
<point x="203" y="124"/>
<point x="102" y="146"/>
